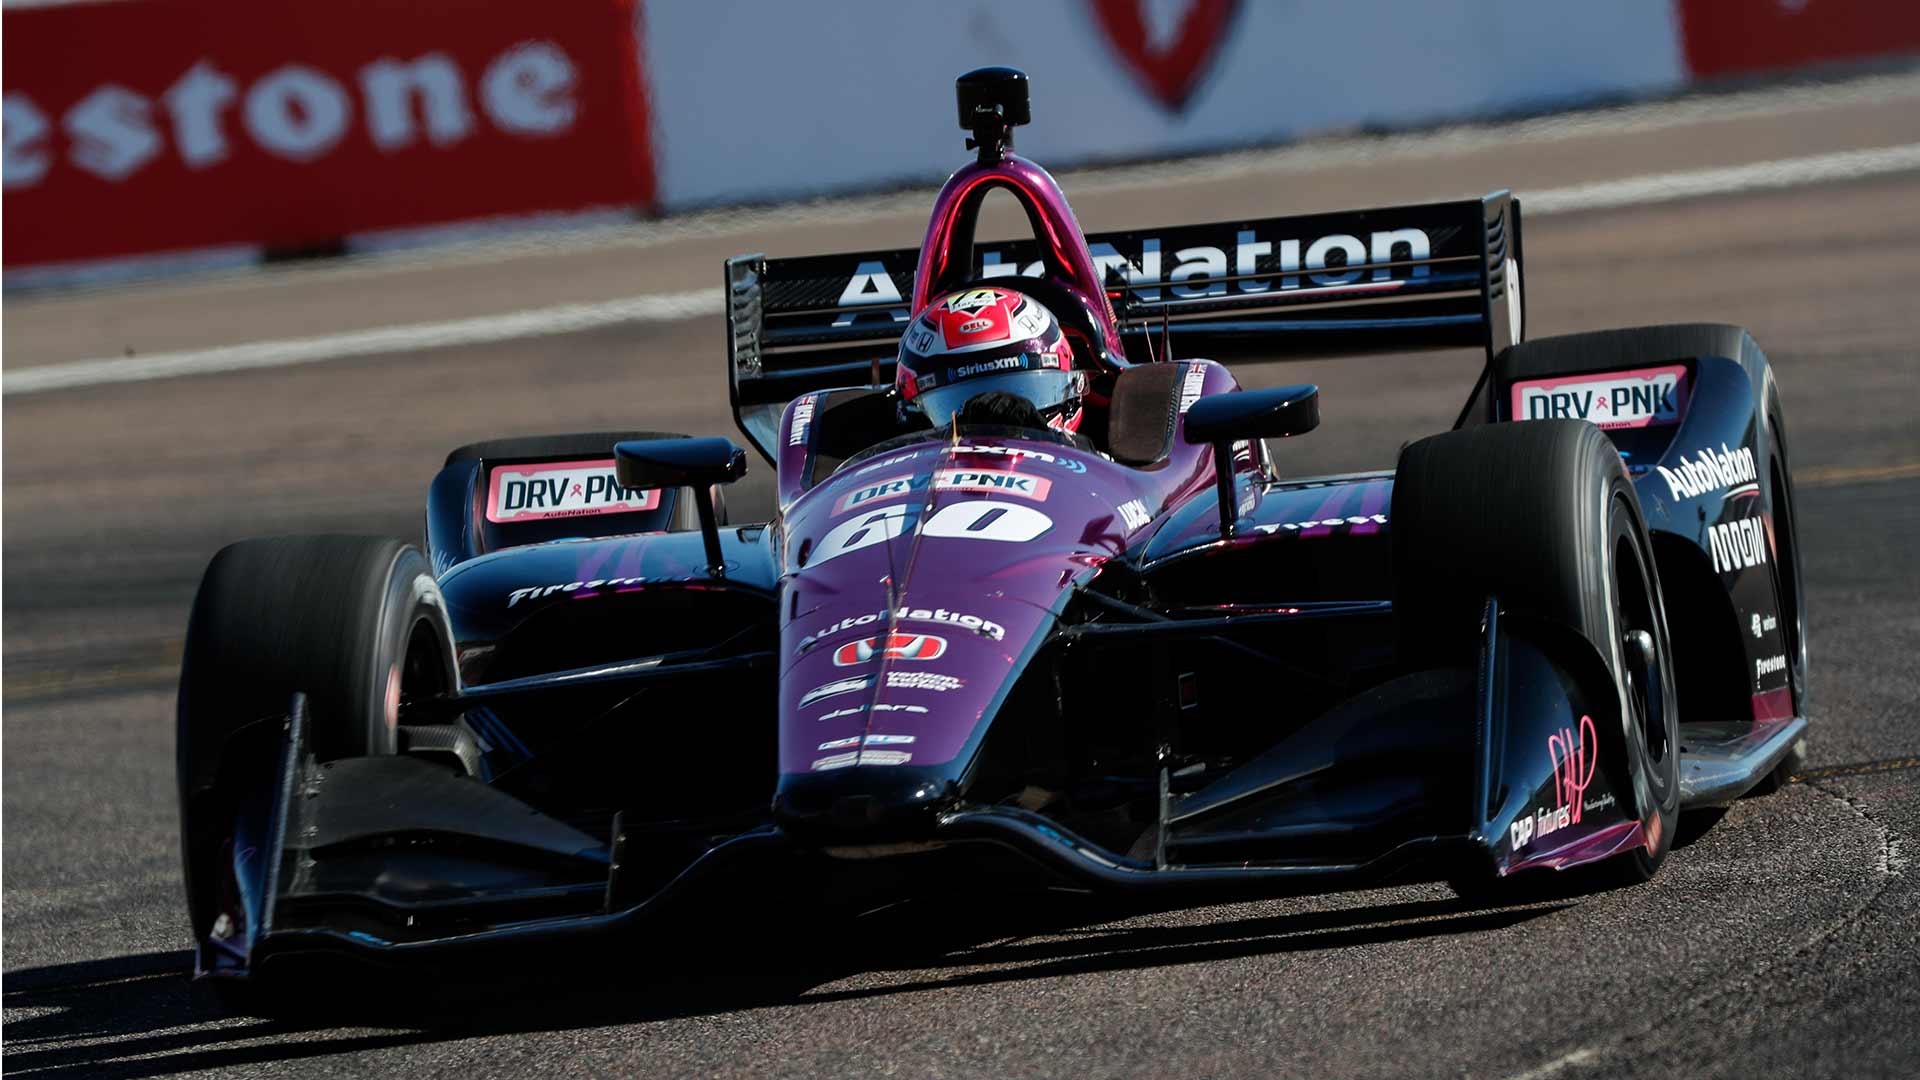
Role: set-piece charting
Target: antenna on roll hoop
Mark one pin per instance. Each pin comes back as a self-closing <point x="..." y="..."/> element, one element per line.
<point x="993" y="101"/>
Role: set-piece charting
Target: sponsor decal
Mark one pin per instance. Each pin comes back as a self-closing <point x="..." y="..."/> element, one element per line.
<point x="1025" y="485"/>
<point x="893" y="647"/>
<point x="1134" y="514"/>
<point x="1710" y="471"/>
<point x="858" y="709"/>
<point x="538" y="592"/>
<point x="1737" y="545"/>
<point x="562" y="489"/>
<point x="923" y="680"/>
<point x="1769" y="666"/>
<point x="975" y="326"/>
<point x="1190" y="387"/>
<point x="876" y="491"/>
<point x="974" y="299"/>
<point x="861" y="757"/>
<point x="985" y="367"/>
<point x="1601" y="803"/>
<point x="984" y="627"/>
<point x="921" y="337"/>
<point x="1574" y="757"/>
<point x="1620" y="399"/>
<point x="869" y="740"/>
<point x="1328" y="523"/>
<point x="996" y="481"/>
<point x="838" y="686"/>
<point x="1334" y="263"/>
<point x="875" y="466"/>
<point x="802" y="419"/>
<point x="1067" y="463"/>
<point x="1763" y="625"/>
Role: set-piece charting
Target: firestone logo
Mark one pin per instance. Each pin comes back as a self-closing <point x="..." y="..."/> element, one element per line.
<point x="295" y="112"/>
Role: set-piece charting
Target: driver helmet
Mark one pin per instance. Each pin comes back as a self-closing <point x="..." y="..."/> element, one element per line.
<point x="986" y="339"/>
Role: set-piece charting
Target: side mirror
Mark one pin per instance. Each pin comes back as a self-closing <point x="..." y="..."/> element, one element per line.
<point x="664" y="463"/>
<point x="1253" y="414"/>
<point x="691" y="463"/>
<point x="1225" y="419"/>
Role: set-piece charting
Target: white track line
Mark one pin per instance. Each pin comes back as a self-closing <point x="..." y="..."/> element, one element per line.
<point x="537" y="322"/>
<point x="668" y="307"/>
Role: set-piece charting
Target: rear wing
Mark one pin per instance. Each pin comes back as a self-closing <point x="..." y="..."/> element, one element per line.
<point x="1439" y="275"/>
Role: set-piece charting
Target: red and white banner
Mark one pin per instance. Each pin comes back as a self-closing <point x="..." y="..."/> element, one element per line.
<point x="152" y="125"/>
<point x="1738" y="37"/>
<point x="145" y="126"/>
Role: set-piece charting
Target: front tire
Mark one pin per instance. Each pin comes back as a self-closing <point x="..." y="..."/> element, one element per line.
<point x="1542" y="515"/>
<point x="355" y="623"/>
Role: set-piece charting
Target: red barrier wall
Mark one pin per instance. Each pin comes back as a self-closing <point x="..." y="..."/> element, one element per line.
<point x="1734" y="37"/>
<point x="147" y="125"/>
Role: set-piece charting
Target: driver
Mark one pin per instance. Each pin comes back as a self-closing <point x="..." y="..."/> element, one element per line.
<point x="992" y="341"/>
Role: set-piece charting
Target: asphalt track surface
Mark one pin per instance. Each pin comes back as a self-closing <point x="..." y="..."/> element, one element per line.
<point x="1783" y="939"/>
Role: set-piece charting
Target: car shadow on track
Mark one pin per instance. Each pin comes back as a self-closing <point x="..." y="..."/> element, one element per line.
<point x="138" y="1016"/>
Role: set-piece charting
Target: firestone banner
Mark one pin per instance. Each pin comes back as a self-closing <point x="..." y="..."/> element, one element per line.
<point x="151" y="125"/>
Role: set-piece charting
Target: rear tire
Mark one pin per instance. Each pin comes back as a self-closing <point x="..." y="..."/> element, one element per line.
<point x="1542" y="515"/>
<point x="355" y="623"/>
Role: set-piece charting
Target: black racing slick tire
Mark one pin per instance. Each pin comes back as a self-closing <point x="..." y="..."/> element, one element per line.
<point x="1542" y="515"/>
<point x="357" y="624"/>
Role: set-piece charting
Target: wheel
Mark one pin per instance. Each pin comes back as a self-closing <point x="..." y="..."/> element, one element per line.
<point x="355" y="623"/>
<point x="1542" y="515"/>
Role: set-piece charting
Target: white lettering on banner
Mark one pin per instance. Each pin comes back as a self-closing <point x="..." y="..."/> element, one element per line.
<point x="195" y="102"/>
<point x="111" y="136"/>
<point x="1134" y="514"/>
<point x="527" y="90"/>
<point x="1710" y="471"/>
<point x="1738" y="544"/>
<point x="1762" y="626"/>
<point x="23" y="126"/>
<point x="390" y="88"/>
<point x="295" y="112"/>
<point x="1769" y="666"/>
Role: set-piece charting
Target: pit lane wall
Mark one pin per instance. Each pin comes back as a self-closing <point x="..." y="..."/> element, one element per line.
<point x="136" y="127"/>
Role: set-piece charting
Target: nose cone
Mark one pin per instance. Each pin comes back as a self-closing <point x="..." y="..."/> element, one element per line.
<point x="885" y="709"/>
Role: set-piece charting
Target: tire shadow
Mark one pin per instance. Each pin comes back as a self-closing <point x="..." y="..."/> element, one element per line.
<point x="140" y="1016"/>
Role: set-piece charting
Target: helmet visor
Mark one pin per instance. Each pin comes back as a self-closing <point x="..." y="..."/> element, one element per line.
<point x="1047" y="389"/>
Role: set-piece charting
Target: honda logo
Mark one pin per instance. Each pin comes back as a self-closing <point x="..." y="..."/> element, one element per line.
<point x="896" y="647"/>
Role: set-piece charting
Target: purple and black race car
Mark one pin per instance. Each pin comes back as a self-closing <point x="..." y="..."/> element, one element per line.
<point x="1128" y="658"/>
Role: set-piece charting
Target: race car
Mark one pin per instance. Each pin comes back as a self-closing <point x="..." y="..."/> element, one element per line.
<point x="1035" y="605"/>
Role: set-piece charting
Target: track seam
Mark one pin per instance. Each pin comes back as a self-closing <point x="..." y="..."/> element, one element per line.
<point x="1889" y="866"/>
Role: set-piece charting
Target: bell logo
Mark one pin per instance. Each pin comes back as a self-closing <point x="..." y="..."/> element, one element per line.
<point x="895" y="647"/>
